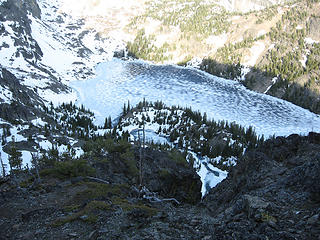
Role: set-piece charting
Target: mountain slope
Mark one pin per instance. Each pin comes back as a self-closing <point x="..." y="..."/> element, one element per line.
<point x="41" y="51"/>
<point x="54" y="49"/>
<point x="87" y="182"/>
<point x="275" y="42"/>
<point x="273" y="193"/>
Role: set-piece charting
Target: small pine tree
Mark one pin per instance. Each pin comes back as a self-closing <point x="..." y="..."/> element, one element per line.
<point x="35" y="164"/>
<point x="205" y="118"/>
<point x="15" y="158"/>
<point x="106" y="123"/>
<point x="109" y="122"/>
<point x="124" y="110"/>
<point x="128" y="107"/>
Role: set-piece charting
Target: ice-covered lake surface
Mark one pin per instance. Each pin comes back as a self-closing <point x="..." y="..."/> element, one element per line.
<point x="118" y="81"/>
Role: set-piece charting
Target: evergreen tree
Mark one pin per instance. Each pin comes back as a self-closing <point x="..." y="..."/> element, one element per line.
<point x="124" y="110"/>
<point x="109" y="122"/>
<point x="106" y="123"/>
<point x="128" y="107"/>
<point x="15" y="158"/>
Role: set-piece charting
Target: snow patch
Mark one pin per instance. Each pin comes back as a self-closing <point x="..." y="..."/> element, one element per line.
<point x="8" y="51"/>
<point x="271" y="46"/>
<point x="256" y="50"/>
<point x="195" y="62"/>
<point x="244" y="71"/>
<point x="217" y="41"/>
<point x="310" y="41"/>
<point x="274" y="80"/>
<point x="261" y="33"/>
<point x="303" y="61"/>
<point x="38" y="122"/>
<point x="95" y="7"/>
<point x="57" y="98"/>
<point x="209" y="175"/>
<point x="55" y="54"/>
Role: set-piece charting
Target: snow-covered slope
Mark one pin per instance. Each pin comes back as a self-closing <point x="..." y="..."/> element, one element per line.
<point x="248" y="5"/>
<point x="41" y="50"/>
<point x="50" y="50"/>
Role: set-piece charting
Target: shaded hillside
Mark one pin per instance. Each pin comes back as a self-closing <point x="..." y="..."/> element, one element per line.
<point x="273" y="193"/>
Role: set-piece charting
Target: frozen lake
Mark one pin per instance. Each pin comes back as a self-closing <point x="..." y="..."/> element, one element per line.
<point x="118" y="81"/>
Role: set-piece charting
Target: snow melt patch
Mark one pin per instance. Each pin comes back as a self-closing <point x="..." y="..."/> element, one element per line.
<point x="217" y="41"/>
<point x="310" y="41"/>
<point x="255" y="51"/>
<point x="209" y="175"/>
<point x="133" y="126"/>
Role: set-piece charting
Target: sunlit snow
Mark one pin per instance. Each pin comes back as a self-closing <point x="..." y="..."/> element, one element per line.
<point x="255" y="51"/>
<point x="118" y="81"/>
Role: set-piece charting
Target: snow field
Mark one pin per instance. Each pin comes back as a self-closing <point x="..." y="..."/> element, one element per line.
<point x="118" y="81"/>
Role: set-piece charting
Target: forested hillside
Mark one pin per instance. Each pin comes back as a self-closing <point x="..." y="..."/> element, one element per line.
<point x="279" y="44"/>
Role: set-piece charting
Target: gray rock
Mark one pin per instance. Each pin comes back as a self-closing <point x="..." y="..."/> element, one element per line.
<point x="313" y="220"/>
<point x="254" y="205"/>
<point x="93" y="235"/>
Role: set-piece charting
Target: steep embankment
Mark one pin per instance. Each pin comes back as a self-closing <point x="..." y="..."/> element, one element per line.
<point x="273" y="193"/>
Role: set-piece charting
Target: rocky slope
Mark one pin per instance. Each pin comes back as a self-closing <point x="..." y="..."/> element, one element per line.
<point x="110" y="192"/>
<point x="273" y="193"/>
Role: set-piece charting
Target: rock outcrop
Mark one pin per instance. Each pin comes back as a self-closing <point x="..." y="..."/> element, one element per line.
<point x="273" y="192"/>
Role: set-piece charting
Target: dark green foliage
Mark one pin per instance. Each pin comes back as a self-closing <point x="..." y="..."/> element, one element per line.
<point x="143" y="48"/>
<point x="130" y="162"/>
<point x="68" y="169"/>
<point x="15" y="158"/>
<point x="76" y="121"/>
<point x="231" y="70"/>
<point x="190" y="130"/>
<point x="178" y="157"/>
